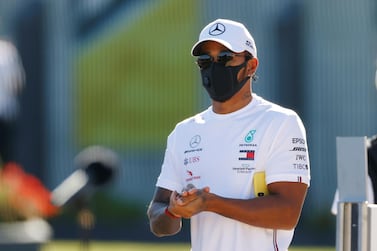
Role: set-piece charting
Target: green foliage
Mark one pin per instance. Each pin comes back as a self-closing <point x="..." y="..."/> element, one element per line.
<point x="137" y="78"/>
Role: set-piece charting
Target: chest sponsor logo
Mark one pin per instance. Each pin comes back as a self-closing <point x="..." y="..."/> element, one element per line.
<point x="247" y="155"/>
<point x="250" y="136"/>
<point x="244" y="168"/>
<point x="191" y="176"/>
<point x="193" y="150"/>
<point x="195" y="141"/>
<point x="248" y="139"/>
<point x="191" y="160"/>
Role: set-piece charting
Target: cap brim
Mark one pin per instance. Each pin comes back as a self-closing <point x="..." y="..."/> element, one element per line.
<point x="196" y="49"/>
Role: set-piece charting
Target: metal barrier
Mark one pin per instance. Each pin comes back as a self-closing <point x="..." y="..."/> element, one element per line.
<point x="356" y="219"/>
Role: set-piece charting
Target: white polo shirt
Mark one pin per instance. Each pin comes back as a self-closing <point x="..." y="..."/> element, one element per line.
<point x="223" y="151"/>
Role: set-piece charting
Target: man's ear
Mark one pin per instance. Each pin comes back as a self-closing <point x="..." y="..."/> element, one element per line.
<point x="252" y="66"/>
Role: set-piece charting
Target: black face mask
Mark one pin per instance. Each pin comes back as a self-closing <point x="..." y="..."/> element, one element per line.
<point x="221" y="81"/>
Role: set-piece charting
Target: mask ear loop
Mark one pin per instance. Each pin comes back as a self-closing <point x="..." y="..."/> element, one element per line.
<point x="242" y="83"/>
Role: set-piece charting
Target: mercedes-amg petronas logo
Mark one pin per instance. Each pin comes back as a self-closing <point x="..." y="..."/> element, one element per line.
<point x="217" y="29"/>
<point x="195" y="141"/>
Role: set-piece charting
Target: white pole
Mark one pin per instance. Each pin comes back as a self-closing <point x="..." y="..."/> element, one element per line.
<point x="352" y="220"/>
<point x="372" y="227"/>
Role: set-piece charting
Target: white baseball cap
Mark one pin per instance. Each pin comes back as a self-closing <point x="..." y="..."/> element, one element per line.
<point x="231" y="34"/>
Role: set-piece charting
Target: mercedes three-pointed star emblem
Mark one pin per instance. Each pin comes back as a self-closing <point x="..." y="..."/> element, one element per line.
<point x="217" y="29"/>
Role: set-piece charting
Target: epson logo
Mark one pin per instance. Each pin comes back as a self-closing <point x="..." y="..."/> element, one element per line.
<point x="298" y="141"/>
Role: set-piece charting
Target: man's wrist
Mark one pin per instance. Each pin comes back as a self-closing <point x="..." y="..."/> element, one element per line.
<point x="170" y="214"/>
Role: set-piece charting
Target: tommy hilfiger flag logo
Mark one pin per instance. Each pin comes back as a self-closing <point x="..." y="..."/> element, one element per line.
<point x="247" y="155"/>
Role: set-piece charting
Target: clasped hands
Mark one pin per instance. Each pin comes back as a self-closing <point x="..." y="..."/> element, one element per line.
<point x="189" y="202"/>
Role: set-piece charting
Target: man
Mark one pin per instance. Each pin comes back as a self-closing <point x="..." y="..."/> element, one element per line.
<point x="240" y="169"/>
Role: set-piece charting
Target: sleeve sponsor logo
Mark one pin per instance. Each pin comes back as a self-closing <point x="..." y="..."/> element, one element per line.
<point x="300" y="141"/>
<point x="301" y="157"/>
<point x="299" y="166"/>
<point x="298" y="149"/>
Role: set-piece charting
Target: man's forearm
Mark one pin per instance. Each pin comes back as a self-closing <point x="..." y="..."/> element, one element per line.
<point x="280" y="210"/>
<point x="259" y="214"/>
<point x="160" y="223"/>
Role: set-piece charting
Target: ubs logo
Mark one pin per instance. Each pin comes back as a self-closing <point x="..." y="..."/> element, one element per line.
<point x="191" y="160"/>
<point x="195" y="141"/>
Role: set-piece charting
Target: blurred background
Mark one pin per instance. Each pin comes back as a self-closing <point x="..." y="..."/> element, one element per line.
<point x="119" y="74"/>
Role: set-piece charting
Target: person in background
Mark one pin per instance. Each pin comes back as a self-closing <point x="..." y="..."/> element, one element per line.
<point x="372" y="158"/>
<point x="238" y="170"/>
<point x="372" y="166"/>
<point x="12" y="79"/>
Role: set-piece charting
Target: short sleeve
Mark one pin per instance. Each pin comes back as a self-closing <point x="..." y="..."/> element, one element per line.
<point x="288" y="158"/>
<point x="169" y="177"/>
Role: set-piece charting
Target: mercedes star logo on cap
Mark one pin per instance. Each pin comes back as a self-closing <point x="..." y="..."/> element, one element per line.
<point x="217" y="29"/>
